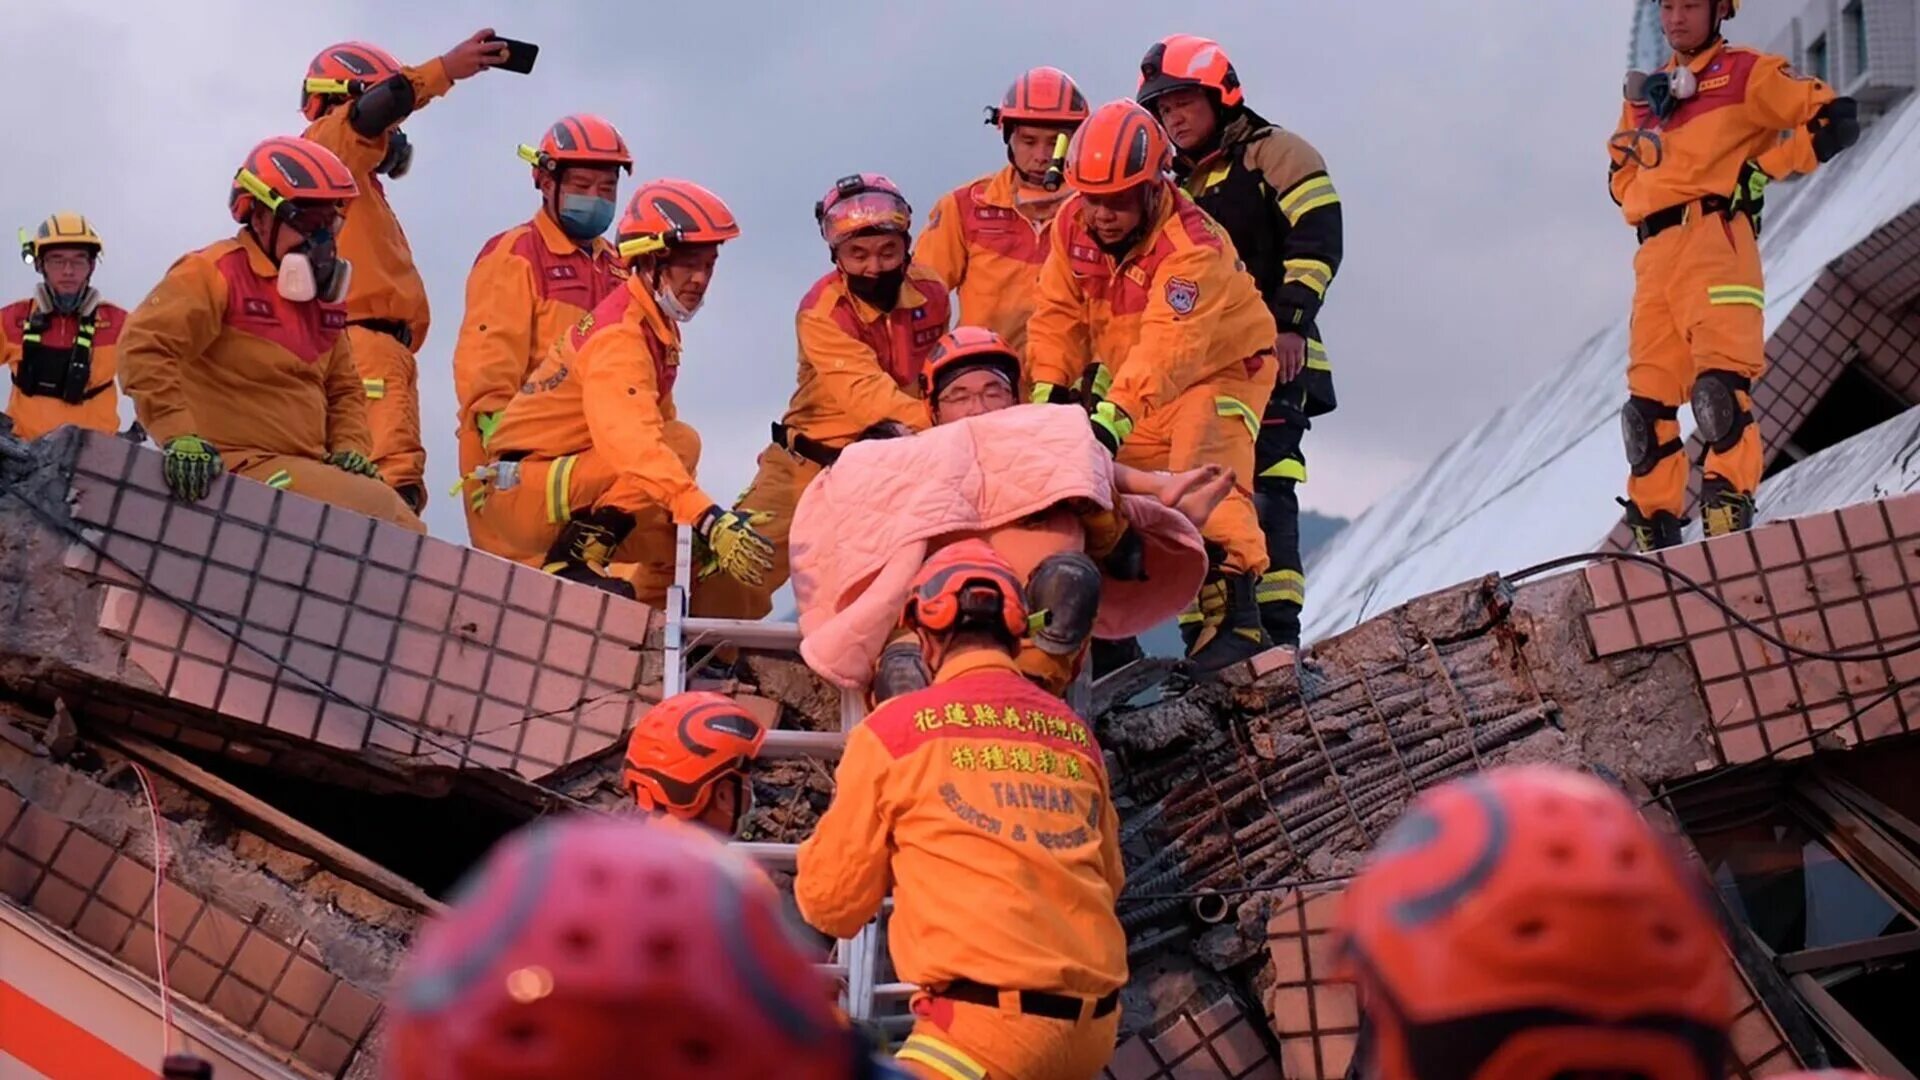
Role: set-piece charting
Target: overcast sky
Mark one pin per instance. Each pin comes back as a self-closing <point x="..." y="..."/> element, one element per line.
<point x="1467" y="141"/>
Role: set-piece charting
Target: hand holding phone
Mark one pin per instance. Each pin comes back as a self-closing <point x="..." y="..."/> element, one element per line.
<point x="520" y="55"/>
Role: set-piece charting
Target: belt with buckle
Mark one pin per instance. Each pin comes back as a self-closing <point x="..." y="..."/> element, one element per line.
<point x="1032" y="1002"/>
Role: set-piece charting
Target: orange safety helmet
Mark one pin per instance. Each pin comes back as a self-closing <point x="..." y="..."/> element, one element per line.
<point x="1185" y="60"/>
<point x="967" y="579"/>
<point x="1121" y="146"/>
<point x="1528" y="922"/>
<point x="345" y="70"/>
<point x="966" y="347"/>
<point x="684" y="746"/>
<point x="1045" y="96"/>
<point x="589" y="946"/>
<point x="578" y="139"/>
<point x="286" y="170"/>
<point x="665" y="213"/>
<point x="861" y="204"/>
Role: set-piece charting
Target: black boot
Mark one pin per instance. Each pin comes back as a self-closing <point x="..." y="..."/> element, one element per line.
<point x="581" y="551"/>
<point x="1238" y="635"/>
<point x="1110" y="656"/>
<point x="1662" y="530"/>
<point x="1723" y="508"/>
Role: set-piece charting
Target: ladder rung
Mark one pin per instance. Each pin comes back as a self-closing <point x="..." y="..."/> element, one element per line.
<point x="832" y="971"/>
<point x="793" y="744"/>
<point x="746" y="633"/>
<point x="894" y="990"/>
<point x="784" y="855"/>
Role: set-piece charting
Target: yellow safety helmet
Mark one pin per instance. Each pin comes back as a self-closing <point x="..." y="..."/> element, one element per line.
<point x="63" y="229"/>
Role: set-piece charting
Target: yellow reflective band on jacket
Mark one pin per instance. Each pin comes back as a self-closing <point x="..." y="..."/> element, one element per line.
<point x="1736" y="294"/>
<point x="282" y="480"/>
<point x="1287" y="469"/>
<point x="1232" y="406"/>
<point x="1281" y="585"/>
<point x="1307" y="196"/>
<point x="942" y="1057"/>
<point x="1317" y="356"/>
<point x="375" y="388"/>
<point x="1315" y="274"/>
<point x="559" y="483"/>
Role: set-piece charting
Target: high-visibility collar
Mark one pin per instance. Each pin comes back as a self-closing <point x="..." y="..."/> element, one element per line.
<point x="973" y="662"/>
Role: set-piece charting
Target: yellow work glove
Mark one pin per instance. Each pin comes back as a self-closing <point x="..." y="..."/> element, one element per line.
<point x="352" y="461"/>
<point x="733" y="547"/>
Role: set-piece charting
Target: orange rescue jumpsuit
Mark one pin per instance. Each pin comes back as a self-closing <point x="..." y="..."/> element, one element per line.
<point x="529" y="286"/>
<point x="36" y="414"/>
<point x="595" y="427"/>
<point x="1699" y="302"/>
<point x="987" y="241"/>
<point x="386" y="300"/>
<point x="1189" y="342"/>
<point x="985" y="804"/>
<point x="215" y="351"/>
<point x="858" y="367"/>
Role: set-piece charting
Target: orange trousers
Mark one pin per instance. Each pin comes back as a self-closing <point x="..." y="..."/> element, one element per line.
<point x="775" y="491"/>
<point x="1214" y="423"/>
<point x="958" y="1040"/>
<point x="548" y="492"/>
<point x="1698" y="306"/>
<point x="319" y="480"/>
<point x="392" y="383"/>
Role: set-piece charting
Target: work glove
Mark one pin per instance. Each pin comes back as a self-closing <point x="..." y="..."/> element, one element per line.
<point x="190" y="465"/>
<point x="886" y="429"/>
<point x="1835" y="127"/>
<point x="733" y="547"/>
<point x="414" y="495"/>
<point x="1111" y="425"/>
<point x="1047" y="393"/>
<point x="352" y="461"/>
<point x="488" y="423"/>
<point x="1750" y="194"/>
<point x="1098" y="383"/>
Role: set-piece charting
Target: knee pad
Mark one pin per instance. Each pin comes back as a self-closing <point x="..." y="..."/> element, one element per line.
<point x="901" y="670"/>
<point x="1717" y="409"/>
<point x="1066" y="587"/>
<point x="1638" y="432"/>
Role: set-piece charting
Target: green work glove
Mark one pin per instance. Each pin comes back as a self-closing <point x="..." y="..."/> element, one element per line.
<point x="1047" y="393"/>
<point x="190" y="465"/>
<point x="1111" y="425"/>
<point x="734" y="548"/>
<point x="488" y="423"/>
<point x="1099" y="382"/>
<point x="1750" y="194"/>
<point x="352" y="461"/>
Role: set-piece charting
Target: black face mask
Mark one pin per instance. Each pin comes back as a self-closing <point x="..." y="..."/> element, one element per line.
<point x="399" y="157"/>
<point x="882" y="290"/>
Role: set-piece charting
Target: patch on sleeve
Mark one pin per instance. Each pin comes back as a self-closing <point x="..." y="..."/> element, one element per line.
<point x="1182" y="295"/>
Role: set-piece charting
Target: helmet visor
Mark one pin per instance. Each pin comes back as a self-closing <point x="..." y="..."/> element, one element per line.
<point x="869" y="211"/>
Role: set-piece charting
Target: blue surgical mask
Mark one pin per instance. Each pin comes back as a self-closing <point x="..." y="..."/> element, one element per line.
<point x="584" y="217"/>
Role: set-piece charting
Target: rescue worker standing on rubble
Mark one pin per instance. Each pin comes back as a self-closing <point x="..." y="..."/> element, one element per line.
<point x="356" y="96"/>
<point x="591" y="463"/>
<point x="687" y="760"/>
<point x="59" y="343"/>
<point x="987" y="239"/>
<point x="864" y="330"/>
<point x="1141" y="279"/>
<point x="1269" y="189"/>
<point x="1697" y="143"/>
<point x="984" y="803"/>
<point x="533" y="283"/>
<point x="238" y="358"/>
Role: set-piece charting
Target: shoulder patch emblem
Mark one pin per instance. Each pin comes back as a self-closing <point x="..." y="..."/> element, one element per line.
<point x="1183" y="294"/>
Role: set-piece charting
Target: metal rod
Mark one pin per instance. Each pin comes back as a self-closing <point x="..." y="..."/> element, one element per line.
<point x="782" y="743"/>
<point x="746" y="633"/>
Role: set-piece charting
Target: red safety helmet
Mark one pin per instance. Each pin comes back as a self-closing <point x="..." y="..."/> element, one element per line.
<point x="578" y="139"/>
<point x="600" y="946"/>
<point x="1528" y="922"/>
<point x="1045" y="96"/>
<point x="288" y="170"/>
<point x="967" y="347"/>
<point x="966" y="578"/>
<point x="345" y="70"/>
<point x="684" y="746"/>
<point x="1121" y="146"/>
<point x="859" y="205"/>
<point x="665" y="213"/>
<point x="1185" y="60"/>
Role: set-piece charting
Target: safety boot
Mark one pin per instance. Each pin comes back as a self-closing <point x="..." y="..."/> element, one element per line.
<point x="1723" y="508"/>
<point x="1203" y="614"/>
<point x="581" y="551"/>
<point x="1238" y="634"/>
<point x="1662" y="530"/>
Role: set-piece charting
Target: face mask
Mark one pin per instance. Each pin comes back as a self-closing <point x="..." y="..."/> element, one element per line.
<point x="67" y="303"/>
<point x="583" y="217"/>
<point x="314" y="271"/>
<point x="1663" y="91"/>
<point x="882" y="290"/>
<point x="670" y="304"/>
<point x="399" y="156"/>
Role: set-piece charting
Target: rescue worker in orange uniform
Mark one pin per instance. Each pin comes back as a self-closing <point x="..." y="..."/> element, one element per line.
<point x="984" y="803"/>
<point x="238" y="360"/>
<point x="534" y="282"/>
<point x="600" y="947"/>
<point x="355" y="98"/>
<point x="1269" y="189"/>
<point x="590" y="459"/>
<point x="864" y="331"/>
<point x="987" y="239"/>
<point x="59" y="343"/>
<point x="1142" y="280"/>
<point x="687" y="760"/>
<point x="1528" y="922"/>
<point x="1696" y="144"/>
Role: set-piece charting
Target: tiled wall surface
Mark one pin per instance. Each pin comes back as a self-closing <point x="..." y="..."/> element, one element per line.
<point x="1315" y="1016"/>
<point x="1217" y="1041"/>
<point x="325" y="625"/>
<point x="1842" y="581"/>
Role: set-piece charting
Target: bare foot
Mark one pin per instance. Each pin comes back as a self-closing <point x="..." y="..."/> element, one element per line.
<point x="1196" y="492"/>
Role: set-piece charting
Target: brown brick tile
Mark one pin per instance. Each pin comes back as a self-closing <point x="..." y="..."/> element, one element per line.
<point x="1774" y="692"/>
<point x="348" y="1010"/>
<point x="37" y="834"/>
<point x="93" y="500"/>
<point x="1903" y="514"/>
<point x="208" y="642"/>
<point x="261" y="959"/>
<point x="104" y="455"/>
<point x="393" y="547"/>
<point x="189" y="975"/>
<point x="1753" y="1035"/>
<point x="403" y="696"/>
<point x="626" y="621"/>
<point x="1775" y="545"/>
<point x="297" y="516"/>
<point x="1894" y="615"/>
<point x="416" y="651"/>
<point x="440" y="561"/>
<point x="451" y="710"/>
<point x="333" y="575"/>
<point x="1299" y="1061"/>
<point x="195" y="682"/>
<point x="137" y="950"/>
<point x="390" y="734"/>
<point x="581" y="608"/>
<point x="380" y="591"/>
<point x="222" y="591"/>
<point x="18" y="874"/>
<point x="159" y="623"/>
<point x="281" y="1026"/>
<point x="1656" y="620"/>
<point x="245" y="698"/>
<point x="568" y="650"/>
<point x="1787" y="736"/>
<point x="1714" y="656"/>
<point x="1731" y="556"/>
<point x="522" y="635"/>
<point x="1848" y="624"/>
<point x="1789" y="590"/>
<point x="10" y="806"/>
<point x="1216" y="1016"/>
<point x="82" y="859"/>
<point x="238" y="545"/>
<point x="369" y="635"/>
<point x="356" y="680"/>
<point x="196" y="739"/>
<point x="323" y="1050"/>
<point x="128" y="886"/>
<point x="343" y="726"/>
<point x="237" y="1001"/>
<point x="545" y="742"/>
<point x="249" y="501"/>
<point x="287" y="560"/>
<point x="486" y="577"/>
<point x="1612" y="632"/>
<point x="174" y="576"/>
<point x="216" y="935"/>
<point x="1133" y="1061"/>
<point x="1728" y="703"/>
<point x="347" y="532"/>
<point x="1639" y="581"/>
<point x="1833" y="579"/>
<point x="614" y="664"/>
<point x="117" y="609"/>
<point x="1336" y="1053"/>
<point x="1820" y="535"/>
<point x="509" y="680"/>
<point x="294" y="709"/>
<point x="428" y="605"/>
<point x="607" y="717"/>
<point x="102" y="927"/>
<point x="130" y="553"/>
<point x="463" y="663"/>
<point x="272" y="606"/>
<point x="257" y="653"/>
<point x="139" y="514"/>
<point x="304" y="986"/>
<point x="1819" y="681"/>
<point x="58" y="902"/>
<point x="1239" y="1048"/>
<point x="474" y="622"/>
<point x="532" y="591"/>
<point x="1865" y="524"/>
<point x="1180" y="1039"/>
<point x="321" y="622"/>
<point x="554" y="692"/>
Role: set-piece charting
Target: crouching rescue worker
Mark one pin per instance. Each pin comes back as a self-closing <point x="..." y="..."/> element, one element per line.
<point x="582" y="946"/>
<point x="533" y="283"/>
<point x="984" y="803"/>
<point x="355" y="97"/>
<point x="864" y="330"/>
<point x="1528" y="922"/>
<point x="687" y="760"/>
<point x="1143" y="279"/>
<point x="237" y="359"/>
<point x="1269" y="189"/>
<point x="1697" y="143"/>
<point x="59" y="343"/>
<point x="986" y="240"/>
<point x="590" y="461"/>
